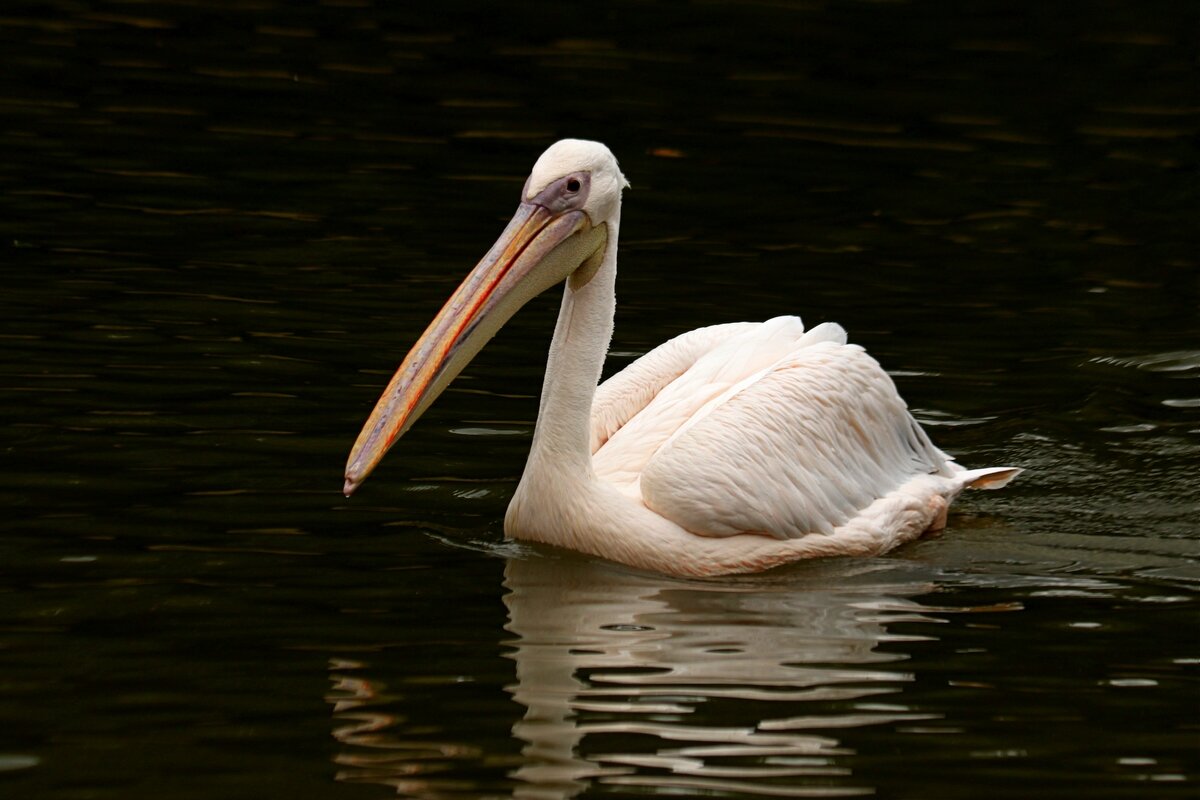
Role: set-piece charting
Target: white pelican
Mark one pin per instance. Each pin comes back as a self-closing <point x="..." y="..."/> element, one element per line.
<point x="732" y="448"/>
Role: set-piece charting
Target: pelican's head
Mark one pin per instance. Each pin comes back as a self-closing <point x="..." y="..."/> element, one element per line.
<point x="592" y="164"/>
<point x="560" y="231"/>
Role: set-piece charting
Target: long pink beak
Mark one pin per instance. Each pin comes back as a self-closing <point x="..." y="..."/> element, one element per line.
<point x="537" y="249"/>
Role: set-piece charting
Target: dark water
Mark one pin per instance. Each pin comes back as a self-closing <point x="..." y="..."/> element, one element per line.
<point x="222" y="224"/>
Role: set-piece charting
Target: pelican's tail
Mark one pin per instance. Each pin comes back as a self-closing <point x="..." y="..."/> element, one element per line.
<point x="988" y="478"/>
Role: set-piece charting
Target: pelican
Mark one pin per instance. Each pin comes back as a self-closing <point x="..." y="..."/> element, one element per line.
<point x="729" y="449"/>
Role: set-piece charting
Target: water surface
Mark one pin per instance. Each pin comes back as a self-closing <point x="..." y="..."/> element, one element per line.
<point x="224" y="223"/>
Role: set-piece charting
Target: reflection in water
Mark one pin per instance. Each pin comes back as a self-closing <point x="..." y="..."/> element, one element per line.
<point x="635" y="680"/>
<point x="642" y="681"/>
<point x="379" y="748"/>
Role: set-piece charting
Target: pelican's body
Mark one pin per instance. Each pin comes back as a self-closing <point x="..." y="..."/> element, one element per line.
<point x="732" y="448"/>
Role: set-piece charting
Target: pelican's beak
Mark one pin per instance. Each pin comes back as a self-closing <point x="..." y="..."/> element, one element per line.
<point x="539" y="248"/>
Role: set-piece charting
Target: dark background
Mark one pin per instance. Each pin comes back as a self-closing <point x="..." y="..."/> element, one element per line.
<point x="222" y="225"/>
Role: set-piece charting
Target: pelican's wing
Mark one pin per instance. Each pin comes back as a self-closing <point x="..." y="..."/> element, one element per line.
<point x="800" y="447"/>
<point x="679" y="383"/>
<point x="625" y="394"/>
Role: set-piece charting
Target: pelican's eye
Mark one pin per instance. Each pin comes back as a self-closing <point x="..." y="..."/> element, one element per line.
<point x="568" y="193"/>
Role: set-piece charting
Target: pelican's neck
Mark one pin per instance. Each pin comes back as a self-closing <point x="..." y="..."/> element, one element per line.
<point x="562" y="438"/>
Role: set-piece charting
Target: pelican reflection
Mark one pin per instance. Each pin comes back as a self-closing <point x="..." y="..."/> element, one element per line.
<point x="741" y="686"/>
<point x="652" y="684"/>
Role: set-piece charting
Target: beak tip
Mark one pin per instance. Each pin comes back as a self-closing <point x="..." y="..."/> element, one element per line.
<point x="350" y="486"/>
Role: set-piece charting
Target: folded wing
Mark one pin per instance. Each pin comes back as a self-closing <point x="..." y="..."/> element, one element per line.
<point x="774" y="431"/>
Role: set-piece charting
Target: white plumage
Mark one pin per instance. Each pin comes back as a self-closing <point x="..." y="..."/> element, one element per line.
<point x="732" y="448"/>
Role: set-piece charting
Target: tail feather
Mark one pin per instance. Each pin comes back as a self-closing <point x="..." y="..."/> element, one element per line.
<point x="989" y="477"/>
